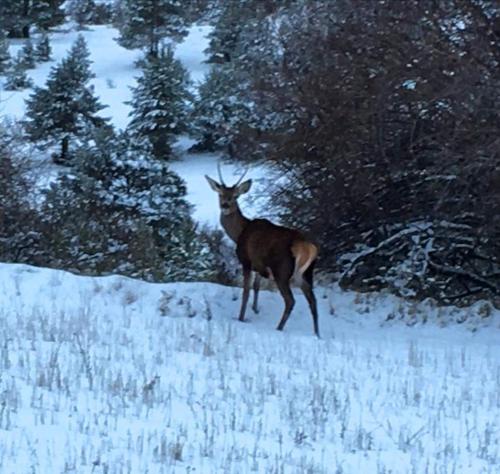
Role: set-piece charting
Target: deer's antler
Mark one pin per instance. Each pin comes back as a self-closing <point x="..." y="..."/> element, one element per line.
<point x="242" y="176"/>
<point x="220" y="174"/>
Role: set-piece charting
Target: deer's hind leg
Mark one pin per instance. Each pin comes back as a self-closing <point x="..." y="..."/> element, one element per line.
<point x="256" y="288"/>
<point x="307" y="288"/>
<point x="282" y="275"/>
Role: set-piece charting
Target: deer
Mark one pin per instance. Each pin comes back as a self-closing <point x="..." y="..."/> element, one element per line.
<point x="268" y="250"/>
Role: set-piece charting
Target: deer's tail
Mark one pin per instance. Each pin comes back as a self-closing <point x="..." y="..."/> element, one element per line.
<point x="305" y="253"/>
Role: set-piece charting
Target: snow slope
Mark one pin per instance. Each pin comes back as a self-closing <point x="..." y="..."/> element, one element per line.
<point x="112" y="375"/>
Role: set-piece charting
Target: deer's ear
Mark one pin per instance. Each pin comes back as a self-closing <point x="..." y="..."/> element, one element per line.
<point x="244" y="187"/>
<point x="213" y="184"/>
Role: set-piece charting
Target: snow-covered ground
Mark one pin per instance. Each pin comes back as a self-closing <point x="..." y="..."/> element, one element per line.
<point x="113" y="375"/>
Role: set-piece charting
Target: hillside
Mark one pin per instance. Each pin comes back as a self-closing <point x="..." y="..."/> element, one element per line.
<point x="115" y="375"/>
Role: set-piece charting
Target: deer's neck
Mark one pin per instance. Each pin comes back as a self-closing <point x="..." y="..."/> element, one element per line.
<point x="234" y="224"/>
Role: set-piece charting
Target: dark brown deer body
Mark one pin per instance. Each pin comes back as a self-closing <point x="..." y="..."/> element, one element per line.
<point x="269" y="250"/>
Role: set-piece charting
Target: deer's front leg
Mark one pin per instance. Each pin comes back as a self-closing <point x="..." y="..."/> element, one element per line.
<point x="247" y="273"/>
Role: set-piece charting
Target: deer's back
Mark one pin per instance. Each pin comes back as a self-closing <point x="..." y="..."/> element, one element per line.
<point x="263" y="244"/>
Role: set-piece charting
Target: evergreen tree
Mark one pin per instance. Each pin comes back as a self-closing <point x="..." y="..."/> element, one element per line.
<point x="80" y="11"/>
<point x="159" y="103"/>
<point x="45" y="14"/>
<point x="239" y="45"/>
<point x="18" y="17"/>
<point x="12" y="16"/>
<point x="128" y="214"/>
<point x="4" y="52"/>
<point x="199" y="11"/>
<point x="66" y="107"/>
<point x="17" y="217"/>
<point x="28" y="54"/>
<point x="103" y="13"/>
<point x="234" y="20"/>
<point x="43" y="51"/>
<point x="145" y="23"/>
<point x="215" y="109"/>
<point x="223" y="39"/>
<point x="16" y="77"/>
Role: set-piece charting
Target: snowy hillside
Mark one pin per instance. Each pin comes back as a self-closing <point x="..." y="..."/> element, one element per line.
<point x="119" y="376"/>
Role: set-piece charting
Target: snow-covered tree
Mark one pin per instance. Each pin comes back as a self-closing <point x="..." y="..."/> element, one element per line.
<point x="45" y="14"/>
<point x="66" y="107"/>
<point x="216" y="109"/>
<point x="146" y="23"/>
<point x="4" y="52"/>
<point x="223" y="39"/>
<point x="17" y="216"/>
<point x="80" y="11"/>
<point x="232" y="23"/>
<point x="13" y="18"/>
<point x="160" y="102"/>
<point x="16" y="77"/>
<point x="239" y="47"/>
<point x="43" y="50"/>
<point x="18" y="17"/>
<point x="128" y="214"/>
<point x="28" y="54"/>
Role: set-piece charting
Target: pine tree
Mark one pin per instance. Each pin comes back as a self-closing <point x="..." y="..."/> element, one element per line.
<point x="28" y="54"/>
<point x="128" y="214"/>
<point x="18" y="17"/>
<point x="11" y="17"/>
<point x="239" y="45"/>
<point x="4" y="52"/>
<point x="145" y="23"/>
<point x="17" y="217"/>
<point x="66" y="107"/>
<point x="43" y="51"/>
<point x="159" y="103"/>
<point x="214" y="109"/>
<point x="223" y="39"/>
<point x="45" y="14"/>
<point x="16" y="77"/>
<point x="234" y="19"/>
<point x="80" y="11"/>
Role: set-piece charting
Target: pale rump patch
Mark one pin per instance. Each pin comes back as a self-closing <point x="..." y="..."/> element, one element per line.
<point x="305" y="253"/>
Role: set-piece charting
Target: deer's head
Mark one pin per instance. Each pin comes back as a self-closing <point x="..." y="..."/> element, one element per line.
<point x="228" y="195"/>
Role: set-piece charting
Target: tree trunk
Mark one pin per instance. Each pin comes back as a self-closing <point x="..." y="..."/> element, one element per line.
<point x="26" y="14"/>
<point x="62" y="159"/>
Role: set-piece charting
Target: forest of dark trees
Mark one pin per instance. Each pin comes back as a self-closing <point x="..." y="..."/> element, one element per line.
<point x="380" y="116"/>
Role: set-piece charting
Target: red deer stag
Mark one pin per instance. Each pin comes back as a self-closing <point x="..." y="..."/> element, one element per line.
<point x="269" y="250"/>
